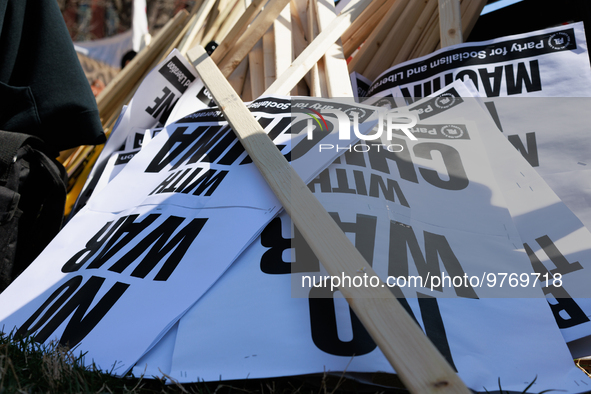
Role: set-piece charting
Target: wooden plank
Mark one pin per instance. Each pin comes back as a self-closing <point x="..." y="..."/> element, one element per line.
<point x="432" y="28"/>
<point x="111" y="98"/>
<point x="370" y="14"/>
<point x="230" y="21"/>
<point x="224" y="9"/>
<point x="196" y="25"/>
<point x="355" y="40"/>
<point x="416" y="360"/>
<point x="413" y="37"/>
<point x="237" y="78"/>
<point x="269" y="57"/>
<point x="299" y="39"/>
<point x="301" y="12"/>
<point x="313" y="52"/>
<point x="386" y="54"/>
<point x="246" y="90"/>
<point x="237" y="30"/>
<point x="283" y="41"/>
<point x="450" y="22"/>
<point x="256" y="62"/>
<point x="337" y="75"/>
<point x="376" y="38"/>
<point x="252" y="35"/>
<point x="470" y="16"/>
<point x="316" y="88"/>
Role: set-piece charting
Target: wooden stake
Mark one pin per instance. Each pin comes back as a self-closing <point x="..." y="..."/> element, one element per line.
<point x="196" y="24"/>
<point x="224" y="9"/>
<point x="246" y="90"/>
<point x="337" y="75"/>
<point x="301" y="12"/>
<point x="315" y="86"/>
<point x="230" y="21"/>
<point x="470" y="16"/>
<point x="376" y="38"/>
<point x="111" y="98"/>
<point x="283" y="42"/>
<point x="416" y="360"/>
<point x="236" y="79"/>
<point x="414" y="35"/>
<point x="370" y="14"/>
<point x="386" y="54"/>
<point x="299" y="39"/>
<point x="269" y="57"/>
<point x="237" y="30"/>
<point x="450" y="22"/>
<point x="355" y="40"/>
<point x="286" y="81"/>
<point x="256" y="61"/>
<point x="252" y="35"/>
<point x="432" y="28"/>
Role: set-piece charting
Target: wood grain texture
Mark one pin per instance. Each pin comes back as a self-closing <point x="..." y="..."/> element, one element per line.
<point x="256" y="65"/>
<point x="376" y="38"/>
<point x="230" y="21"/>
<point x="386" y="54"/>
<point x="269" y="57"/>
<point x="237" y="30"/>
<point x="360" y="35"/>
<point x="470" y="16"/>
<point x="197" y="22"/>
<point x="313" y="52"/>
<point x="316" y="88"/>
<point x="419" y="365"/>
<point x="252" y="35"/>
<point x="413" y="37"/>
<point x="338" y="83"/>
<point x="450" y="22"/>
<point x="369" y="14"/>
<point x="113" y="95"/>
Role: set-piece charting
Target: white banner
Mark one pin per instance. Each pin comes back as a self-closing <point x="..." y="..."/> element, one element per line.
<point x="550" y="133"/>
<point x="154" y="240"/>
<point x="433" y="208"/>
<point x="151" y="105"/>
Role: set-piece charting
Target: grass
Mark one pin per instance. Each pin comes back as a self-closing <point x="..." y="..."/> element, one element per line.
<point x="29" y="367"/>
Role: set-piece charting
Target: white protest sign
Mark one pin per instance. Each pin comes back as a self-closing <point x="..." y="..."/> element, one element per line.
<point x="154" y="240"/>
<point x="151" y="104"/>
<point x="195" y="98"/>
<point x="558" y="245"/>
<point x="360" y="85"/>
<point x="551" y="134"/>
<point x="432" y="208"/>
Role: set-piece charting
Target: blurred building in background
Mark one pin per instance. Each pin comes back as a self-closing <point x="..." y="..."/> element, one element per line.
<point x="95" y="19"/>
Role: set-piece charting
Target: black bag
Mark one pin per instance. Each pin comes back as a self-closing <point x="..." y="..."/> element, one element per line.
<point x="32" y="201"/>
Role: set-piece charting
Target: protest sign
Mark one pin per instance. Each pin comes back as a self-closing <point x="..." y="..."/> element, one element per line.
<point x="433" y="207"/>
<point x="553" y="237"/>
<point x="145" y="248"/>
<point x="151" y="105"/>
<point x="551" y="134"/>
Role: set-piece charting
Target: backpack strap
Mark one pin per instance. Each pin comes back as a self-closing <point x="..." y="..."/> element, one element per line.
<point x="11" y="143"/>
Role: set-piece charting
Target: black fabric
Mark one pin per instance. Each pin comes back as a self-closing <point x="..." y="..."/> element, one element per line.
<point x="43" y="90"/>
<point x="32" y="200"/>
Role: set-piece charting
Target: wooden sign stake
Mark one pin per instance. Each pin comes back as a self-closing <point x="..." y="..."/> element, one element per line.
<point x="317" y="48"/>
<point x="450" y="22"/>
<point x="416" y="360"/>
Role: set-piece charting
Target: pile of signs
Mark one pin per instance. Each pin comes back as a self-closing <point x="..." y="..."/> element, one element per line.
<point x="179" y="259"/>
